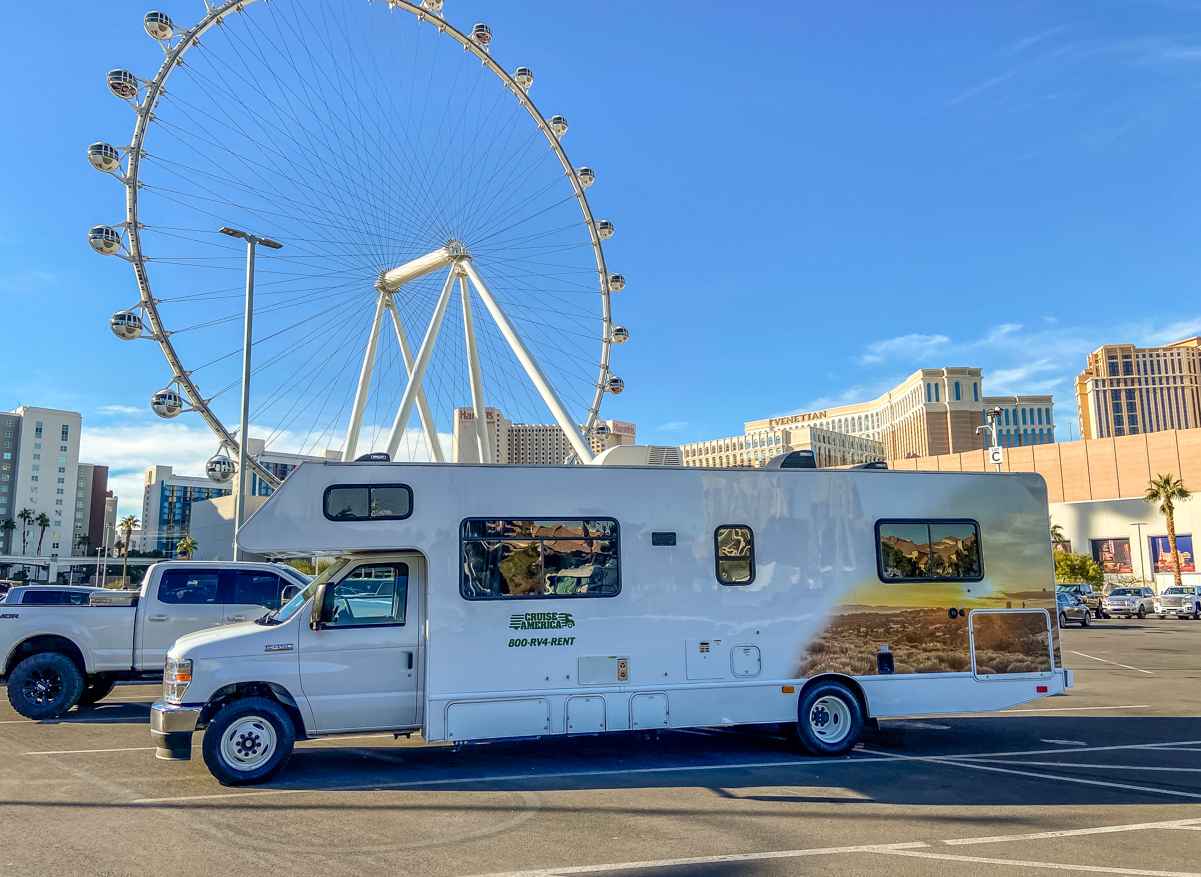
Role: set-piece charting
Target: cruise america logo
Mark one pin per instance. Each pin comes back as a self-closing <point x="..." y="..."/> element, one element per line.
<point x="541" y="621"/>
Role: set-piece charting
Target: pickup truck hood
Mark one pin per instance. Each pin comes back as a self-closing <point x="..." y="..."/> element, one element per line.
<point x="232" y="640"/>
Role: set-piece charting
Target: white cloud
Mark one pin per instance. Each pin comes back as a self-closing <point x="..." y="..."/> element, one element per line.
<point x="121" y="409"/>
<point x="912" y="346"/>
<point x="1017" y="379"/>
<point x="1172" y="332"/>
<point x="672" y="426"/>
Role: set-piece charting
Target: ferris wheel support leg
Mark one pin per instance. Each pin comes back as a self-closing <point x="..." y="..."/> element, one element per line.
<point x="423" y="408"/>
<point x="417" y="375"/>
<point x="541" y="384"/>
<point x="483" y="440"/>
<point x="360" y="393"/>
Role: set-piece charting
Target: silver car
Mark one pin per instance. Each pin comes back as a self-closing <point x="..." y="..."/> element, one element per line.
<point x="1072" y="609"/>
<point x="1181" y="602"/>
<point x="1130" y="602"/>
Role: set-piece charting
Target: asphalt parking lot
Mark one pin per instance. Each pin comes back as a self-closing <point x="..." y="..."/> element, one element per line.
<point x="1105" y="780"/>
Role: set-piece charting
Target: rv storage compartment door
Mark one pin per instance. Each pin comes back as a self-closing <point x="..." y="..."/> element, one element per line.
<point x="585" y="714"/>
<point x="603" y="670"/>
<point x="704" y="659"/>
<point x="488" y="719"/>
<point x="1010" y="642"/>
<point x="745" y="661"/>
<point x="649" y="711"/>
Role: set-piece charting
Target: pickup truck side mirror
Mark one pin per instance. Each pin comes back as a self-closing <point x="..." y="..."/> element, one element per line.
<point x="289" y="592"/>
<point x="318" y="603"/>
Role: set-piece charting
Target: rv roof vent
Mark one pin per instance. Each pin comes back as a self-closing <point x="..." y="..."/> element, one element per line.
<point x="376" y="457"/>
<point x="793" y="460"/>
<point x="639" y="455"/>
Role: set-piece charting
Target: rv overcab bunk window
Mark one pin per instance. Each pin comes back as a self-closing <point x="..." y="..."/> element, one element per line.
<point x="368" y="502"/>
<point x="521" y="558"/>
<point x="734" y="551"/>
<point x="928" y="551"/>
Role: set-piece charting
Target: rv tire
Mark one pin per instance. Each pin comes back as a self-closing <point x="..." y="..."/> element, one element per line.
<point x="248" y="741"/>
<point x="829" y="718"/>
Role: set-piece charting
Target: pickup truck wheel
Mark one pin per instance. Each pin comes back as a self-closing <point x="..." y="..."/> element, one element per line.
<point x="44" y="686"/>
<point x="96" y="689"/>
<point x="829" y="719"/>
<point x="248" y="741"/>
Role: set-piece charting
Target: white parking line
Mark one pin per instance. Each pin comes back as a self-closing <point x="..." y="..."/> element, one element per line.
<point x="1073" y="832"/>
<point x="707" y="860"/>
<point x="1093" y="766"/>
<point x="1049" y="866"/>
<point x="1114" y="663"/>
<point x="964" y="762"/>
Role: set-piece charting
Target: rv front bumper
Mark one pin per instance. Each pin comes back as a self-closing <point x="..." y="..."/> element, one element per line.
<point x="171" y="727"/>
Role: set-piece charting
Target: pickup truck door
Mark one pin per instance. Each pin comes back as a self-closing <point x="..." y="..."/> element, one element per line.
<point x="360" y="669"/>
<point x="249" y="593"/>
<point x="183" y="601"/>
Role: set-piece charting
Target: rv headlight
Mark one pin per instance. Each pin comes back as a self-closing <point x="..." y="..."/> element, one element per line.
<point x="177" y="675"/>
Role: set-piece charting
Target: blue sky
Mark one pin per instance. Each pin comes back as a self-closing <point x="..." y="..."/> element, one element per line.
<point x="811" y="201"/>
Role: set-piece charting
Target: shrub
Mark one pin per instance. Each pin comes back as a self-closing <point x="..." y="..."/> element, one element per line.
<point x="1074" y="568"/>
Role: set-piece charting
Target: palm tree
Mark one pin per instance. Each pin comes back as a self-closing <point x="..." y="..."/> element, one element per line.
<point x="186" y="547"/>
<point x="1167" y="490"/>
<point x="43" y="521"/>
<point x="25" y="516"/>
<point x="126" y="526"/>
<point x="7" y="528"/>
<point x="1057" y="537"/>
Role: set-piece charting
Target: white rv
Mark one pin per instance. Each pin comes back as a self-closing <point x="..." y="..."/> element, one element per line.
<point x="484" y="602"/>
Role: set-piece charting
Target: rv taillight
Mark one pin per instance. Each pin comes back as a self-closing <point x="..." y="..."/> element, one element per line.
<point x="1041" y="689"/>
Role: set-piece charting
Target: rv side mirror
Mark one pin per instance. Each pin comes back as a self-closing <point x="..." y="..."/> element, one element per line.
<point x="315" y="613"/>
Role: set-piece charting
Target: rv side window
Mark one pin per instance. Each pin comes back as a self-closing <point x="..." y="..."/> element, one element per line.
<point x="734" y="549"/>
<point x="368" y="502"/>
<point x="929" y="551"/>
<point x="525" y="558"/>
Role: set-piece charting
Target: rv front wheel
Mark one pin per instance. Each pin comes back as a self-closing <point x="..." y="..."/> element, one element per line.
<point x="830" y="719"/>
<point x="248" y="741"/>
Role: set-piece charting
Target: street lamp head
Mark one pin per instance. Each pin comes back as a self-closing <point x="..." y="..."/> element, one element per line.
<point x="247" y="236"/>
<point x="232" y="232"/>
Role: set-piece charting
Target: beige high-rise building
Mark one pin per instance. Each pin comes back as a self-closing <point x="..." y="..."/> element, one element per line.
<point x="1126" y="390"/>
<point x="528" y="444"/>
<point x="933" y="411"/>
<point x="755" y="449"/>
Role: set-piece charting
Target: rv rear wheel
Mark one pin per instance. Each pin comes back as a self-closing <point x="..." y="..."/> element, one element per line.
<point x="829" y="719"/>
<point x="248" y="741"/>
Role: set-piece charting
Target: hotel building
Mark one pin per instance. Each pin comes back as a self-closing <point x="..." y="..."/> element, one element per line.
<point x="1025" y="420"/>
<point x="1126" y="390"/>
<point x="755" y="448"/>
<point x="527" y="444"/>
<point x="91" y="486"/>
<point x="39" y="467"/>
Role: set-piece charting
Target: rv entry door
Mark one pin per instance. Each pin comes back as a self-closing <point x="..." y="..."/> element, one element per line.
<point x="359" y="668"/>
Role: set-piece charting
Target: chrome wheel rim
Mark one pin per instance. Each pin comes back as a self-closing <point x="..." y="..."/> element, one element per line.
<point x="830" y="719"/>
<point x="248" y="743"/>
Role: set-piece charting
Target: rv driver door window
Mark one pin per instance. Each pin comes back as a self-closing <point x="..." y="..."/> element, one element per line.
<point x="525" y="558"/>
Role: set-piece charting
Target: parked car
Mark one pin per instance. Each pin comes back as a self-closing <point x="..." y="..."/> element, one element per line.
<point x="58" y="654"/>
<point x="1093" y="599"/>
<point x="49" y="595"/>
<point x="1072" y="609"/>
<point x="1181" y="602"/>
<point x="1136" y="602"/>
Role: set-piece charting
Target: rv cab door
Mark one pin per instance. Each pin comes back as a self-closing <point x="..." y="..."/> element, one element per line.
<point x="359" y="666"/>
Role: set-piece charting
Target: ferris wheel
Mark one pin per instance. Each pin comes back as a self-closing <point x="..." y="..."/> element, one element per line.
<point x="440" y="251"/>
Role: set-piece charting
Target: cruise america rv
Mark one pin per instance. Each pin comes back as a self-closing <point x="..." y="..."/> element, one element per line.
<point x="483" y="602"/>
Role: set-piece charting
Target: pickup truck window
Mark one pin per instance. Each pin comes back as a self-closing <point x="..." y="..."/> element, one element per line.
<point x="522" y="558"/>
<point x="373" y="594"/>
<point x="54" y="598"/>
<point x="190" y="586"/>
<point x="257" y="588"/>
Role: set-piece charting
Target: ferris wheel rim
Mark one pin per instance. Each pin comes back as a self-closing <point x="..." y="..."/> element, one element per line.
<point x="154" y="89"/>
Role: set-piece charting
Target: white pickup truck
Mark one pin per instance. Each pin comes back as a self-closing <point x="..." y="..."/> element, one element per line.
<point x="57" y="656"/>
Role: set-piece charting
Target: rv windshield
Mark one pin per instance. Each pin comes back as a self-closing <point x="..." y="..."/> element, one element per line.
<point x="285" y="612"/>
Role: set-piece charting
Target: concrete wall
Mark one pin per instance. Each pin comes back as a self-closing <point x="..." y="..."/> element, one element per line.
<point x="1114" y="519"/>
<point x="212" y="525"/>
<point x="1090" y="469"/>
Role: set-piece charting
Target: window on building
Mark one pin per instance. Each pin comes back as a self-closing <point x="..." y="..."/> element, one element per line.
<point x="373" y="594"/>
<point x="975" y="391"/>
<point x="957" y="391"/>
<point x="37" y="429"/>
<point x="368" y="502"/>
<point x="734" y="553"/>
<point x="66" y="432"/>
<point x="545" y="558"/>
<point x="1006" y="411"/>
<point x="936" y="391"/>
<point x="920" y="551"/>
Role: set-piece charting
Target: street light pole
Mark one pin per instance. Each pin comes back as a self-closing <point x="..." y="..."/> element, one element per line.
<point x="247" y="326"/>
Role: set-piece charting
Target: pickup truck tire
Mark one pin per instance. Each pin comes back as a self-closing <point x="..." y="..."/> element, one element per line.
<point x="44" y="686"/>
<point x="96" y="689"/>
<point x="829" y="719"/>
<point x="248" y="741"/>
<point x="1142" y="612"/>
